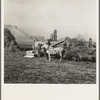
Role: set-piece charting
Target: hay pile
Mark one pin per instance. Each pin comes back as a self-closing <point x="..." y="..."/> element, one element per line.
<point x="10" y="43"/>
<point x="79" y="51"/>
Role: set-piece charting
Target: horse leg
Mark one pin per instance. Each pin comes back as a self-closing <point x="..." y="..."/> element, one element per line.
<point x="60" y="57"/>
<point x="49" y="56"/>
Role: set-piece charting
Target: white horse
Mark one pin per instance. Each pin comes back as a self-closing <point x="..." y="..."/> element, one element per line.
<point x="52" y="51"/>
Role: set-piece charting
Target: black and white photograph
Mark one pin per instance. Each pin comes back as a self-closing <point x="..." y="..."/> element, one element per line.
<point x="50" y="41"/>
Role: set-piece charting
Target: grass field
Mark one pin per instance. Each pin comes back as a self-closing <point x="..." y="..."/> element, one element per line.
<point x="18" y="69"/>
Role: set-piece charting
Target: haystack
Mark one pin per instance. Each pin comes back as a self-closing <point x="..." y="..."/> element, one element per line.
<point x="79" y="51"/>
<point x="10" y="43"/>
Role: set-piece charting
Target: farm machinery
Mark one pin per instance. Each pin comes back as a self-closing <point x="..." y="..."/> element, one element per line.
<point x="29" y="53"/>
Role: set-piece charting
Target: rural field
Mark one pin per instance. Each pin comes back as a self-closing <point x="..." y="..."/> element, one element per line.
<point x="18" y="69"/>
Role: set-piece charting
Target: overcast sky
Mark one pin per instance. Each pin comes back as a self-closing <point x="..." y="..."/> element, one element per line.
<point x="42" y="17"/>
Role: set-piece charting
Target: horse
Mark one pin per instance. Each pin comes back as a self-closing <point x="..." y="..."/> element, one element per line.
<point x="52" y="51"/>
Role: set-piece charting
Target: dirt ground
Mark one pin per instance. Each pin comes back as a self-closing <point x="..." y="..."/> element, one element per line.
<point x="18" y="69"/>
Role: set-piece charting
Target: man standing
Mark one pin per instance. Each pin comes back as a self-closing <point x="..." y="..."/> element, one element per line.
<point x="51" y="37"/>
<point x="39" y="49"/>
<point x="55" y="35"/>
<point x="66" y="46"/>
<point x="90" y="43"/>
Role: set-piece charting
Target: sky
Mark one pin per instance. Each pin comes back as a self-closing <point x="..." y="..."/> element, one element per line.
<point x="42" y="17"/>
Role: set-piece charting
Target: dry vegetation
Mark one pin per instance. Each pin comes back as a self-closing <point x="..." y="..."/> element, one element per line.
<point x="18" y="69"/>
<point x="39" y="70"/>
